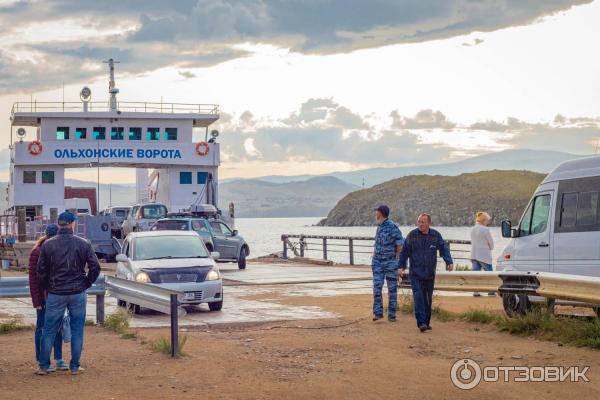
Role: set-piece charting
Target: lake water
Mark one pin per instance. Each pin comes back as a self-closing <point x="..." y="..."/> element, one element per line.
<point x="264" y="236"/>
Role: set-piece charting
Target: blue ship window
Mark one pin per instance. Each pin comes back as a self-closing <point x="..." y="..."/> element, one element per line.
<point x="29" y="176"/>
<point x="202" y="178"/>
<point x="117" y="133"/>
<point x="135" y="133"/>
<point x="170" y="133"/>
<point x="99" y="133"/>
<point x="185" y="178"/>
<point x="153" y="134"/>
<point x="80" y="133"/>
<point x="47" y="176"/>
<point x="62" y="133"/>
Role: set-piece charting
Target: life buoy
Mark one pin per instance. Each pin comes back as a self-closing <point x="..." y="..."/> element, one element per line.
<point x="35" y="147"/>
<point x="202" y="148"/>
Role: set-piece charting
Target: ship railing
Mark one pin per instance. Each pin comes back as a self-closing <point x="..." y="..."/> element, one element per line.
<point x="355" y="248"/>
<point x="34" y="228"/>
<point x="122" y="106"/>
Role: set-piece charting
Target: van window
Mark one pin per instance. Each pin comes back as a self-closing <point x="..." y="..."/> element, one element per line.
<point x="535" y="219"/>
<point x="568" y="211"/>
<point x="587" y="208"/>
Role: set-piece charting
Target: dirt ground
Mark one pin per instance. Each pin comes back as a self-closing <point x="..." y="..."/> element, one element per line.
<point x="347" y="358"/>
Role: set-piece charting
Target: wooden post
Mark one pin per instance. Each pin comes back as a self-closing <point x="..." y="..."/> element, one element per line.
<point x="284" y="240"/>
<point x="324" y="248"/>
<point x="54" y="215"/>
<point x="351" y="250"/>
<point x="21" y="225"/>
<point x="301" y="246"/>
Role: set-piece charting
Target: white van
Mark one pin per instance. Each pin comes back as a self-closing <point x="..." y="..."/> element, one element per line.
<point x="82" y="205"/>
<point x="560" y="228"/>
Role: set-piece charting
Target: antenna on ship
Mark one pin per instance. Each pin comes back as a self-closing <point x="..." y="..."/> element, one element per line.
<point x="112" y="90"/>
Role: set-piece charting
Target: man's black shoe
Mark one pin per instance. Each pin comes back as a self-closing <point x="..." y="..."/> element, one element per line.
<point x="428" y="327"/>
<point x="392" y="319"/>
<point x="423" y="328"/>
<point x="377" y="317"/>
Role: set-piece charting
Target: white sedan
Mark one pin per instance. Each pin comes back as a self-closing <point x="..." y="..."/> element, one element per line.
<point x="175" y="260"/>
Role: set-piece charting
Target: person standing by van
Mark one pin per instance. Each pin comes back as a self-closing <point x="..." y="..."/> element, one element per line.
<point x="38" y="299"/>
<point x="482" y="245"/>
<point x="61" y="272"/>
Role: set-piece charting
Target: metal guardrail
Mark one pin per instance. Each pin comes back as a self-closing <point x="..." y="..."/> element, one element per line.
<point x="18" y="287"/>
<point x="353" y="245"/>
<point x="145" y="295"/>
<point x="104" y="106"/>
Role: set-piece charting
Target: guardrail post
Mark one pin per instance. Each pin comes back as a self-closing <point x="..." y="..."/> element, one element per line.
<point x="351" y="250"/>
<point x="324" y="248"/>
<point x="100" y="309"/>
<point x="174" y="326"/>
<point x="301" y="246"/>
<point x="284" y="240"/>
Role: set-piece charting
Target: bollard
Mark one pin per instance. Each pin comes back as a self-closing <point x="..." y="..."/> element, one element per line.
<point x="301" y="246"/>
<point x="324" y="248"/>
<point x="174" y="327"/>
<point x="284" y="240"/>
<point x="100" y="309"/>
<point x="351" y="250"/>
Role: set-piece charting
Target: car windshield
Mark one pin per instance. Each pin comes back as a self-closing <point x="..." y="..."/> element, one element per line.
<point x="121" y="212"/>
<point x="170" y="226"/>
<point x="157" y="247"/>
<point x="154" y="211"/>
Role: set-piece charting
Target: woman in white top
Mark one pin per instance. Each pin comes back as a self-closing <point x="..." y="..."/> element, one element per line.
<point x="482" y="245"/>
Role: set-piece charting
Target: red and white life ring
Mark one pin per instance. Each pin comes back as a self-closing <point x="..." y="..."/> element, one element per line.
<point x="35" y="147"/>
<point x="202" y="148"/>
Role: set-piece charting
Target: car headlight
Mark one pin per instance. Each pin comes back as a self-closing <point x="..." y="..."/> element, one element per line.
<point x="212" y="275"/>
<point x="142" y="277"/>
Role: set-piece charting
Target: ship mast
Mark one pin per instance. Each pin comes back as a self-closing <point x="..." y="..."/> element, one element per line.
<point x="112" y="90"/>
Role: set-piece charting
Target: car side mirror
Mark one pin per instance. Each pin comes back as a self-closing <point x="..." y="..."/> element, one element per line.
<point x="121" y="258"/>
<point x="215" y="255"/>
<point x="235" y="232"/>
<point x="506" y="229"/>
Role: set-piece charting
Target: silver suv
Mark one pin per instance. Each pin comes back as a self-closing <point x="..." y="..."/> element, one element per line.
<point x="141" y="217"/>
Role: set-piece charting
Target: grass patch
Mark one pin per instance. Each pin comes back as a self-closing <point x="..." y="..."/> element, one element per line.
<point x="12" y="326"/>
<point x="129" y="335"/>
<point x="463" y="267"/>
<point x="443" y="315"/>
<point x="479" y="316"/>
<point x="118" y="322"/>
<point x="89" y="322"/>
<point x="405" y="303"/>
<point x="163" y="345"/>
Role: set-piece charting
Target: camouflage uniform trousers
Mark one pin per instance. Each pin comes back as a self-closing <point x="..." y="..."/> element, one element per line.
<point x="385" y="269"/>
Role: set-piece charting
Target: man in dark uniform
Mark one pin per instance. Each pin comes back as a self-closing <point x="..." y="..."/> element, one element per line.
<point x="421" y="247"/>
<point x="388" y="243"/>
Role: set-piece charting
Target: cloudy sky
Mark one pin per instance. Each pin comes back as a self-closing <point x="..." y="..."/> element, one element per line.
<point x="315" y="86"/>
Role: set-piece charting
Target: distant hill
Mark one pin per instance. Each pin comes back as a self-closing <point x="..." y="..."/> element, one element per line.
<point x="451" y="200"/>
<point x="255" y="198"/>
<point x="531" y="160"/>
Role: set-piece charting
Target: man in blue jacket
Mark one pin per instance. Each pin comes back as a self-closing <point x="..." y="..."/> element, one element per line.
<point x="421" y="247"/>
<point x="388" y="243"/>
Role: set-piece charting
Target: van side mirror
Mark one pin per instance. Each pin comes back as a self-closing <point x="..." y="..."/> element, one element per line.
<point x="215" y="255"/>
<point x="121" y="258"/>
<point x="507" y="231"/>
<point x="235" y="232"/>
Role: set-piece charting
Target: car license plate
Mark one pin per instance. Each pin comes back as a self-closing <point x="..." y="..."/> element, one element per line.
<point x="189" y="296"/>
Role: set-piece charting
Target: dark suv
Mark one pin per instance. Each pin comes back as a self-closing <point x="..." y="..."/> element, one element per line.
<point x="216" y="234"/>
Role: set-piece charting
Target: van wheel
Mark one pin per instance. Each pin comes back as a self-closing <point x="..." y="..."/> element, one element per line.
<point x="516" y="304"/>
<point x="242" y="259"/>
<point x="215" y="306"/>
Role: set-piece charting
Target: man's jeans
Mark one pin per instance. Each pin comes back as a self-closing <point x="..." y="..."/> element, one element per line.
<point x="39" y="325"/>
<point x="385" y="270"/>
<point x="422" y="298"/>
<point x="481" y="266"/>
<point x="55" y="311"/>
